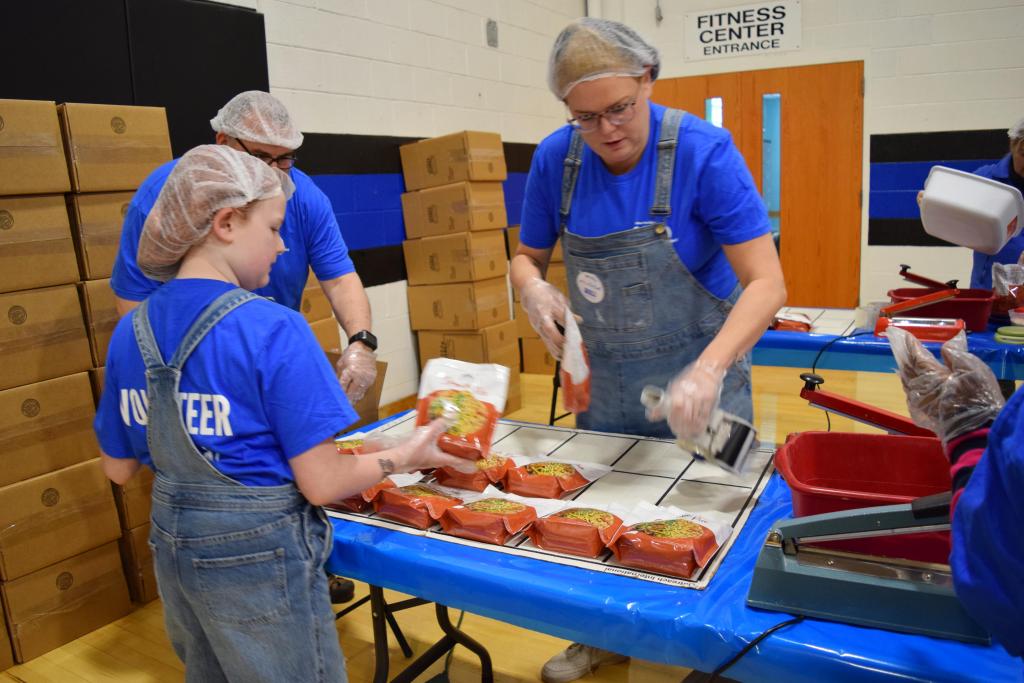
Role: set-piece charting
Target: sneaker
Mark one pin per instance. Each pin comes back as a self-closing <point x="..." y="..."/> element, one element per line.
<point x="342" y="590"/>
<point x="576" y="661"/>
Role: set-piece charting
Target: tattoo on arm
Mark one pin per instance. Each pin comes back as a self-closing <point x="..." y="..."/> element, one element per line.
<point x="387" y="467"/>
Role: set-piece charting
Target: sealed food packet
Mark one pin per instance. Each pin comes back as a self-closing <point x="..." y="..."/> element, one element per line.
<point x="1008" y="286"/>
<point x="418" y="505"/>
<point x="492" y="519"/>
<point x="470" y="395"/>
<point x="574" y="373"/>
<point x="677" y="544"/>
<point x="488" y="471"/>
<point x="791" y="322"/>
<point x="363" y="500"/>
<point x="543" y="478"/>
<point x="583" y="531"/>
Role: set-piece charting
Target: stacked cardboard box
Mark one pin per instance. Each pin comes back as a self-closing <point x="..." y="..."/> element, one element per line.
<point x="536" y="358"/>
<point x="455" y="254"/>
<point x="60" y="576"/>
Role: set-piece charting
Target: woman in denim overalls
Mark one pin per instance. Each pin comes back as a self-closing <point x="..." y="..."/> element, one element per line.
<point x="672" y="272"/>
<point x="238" y="425"/>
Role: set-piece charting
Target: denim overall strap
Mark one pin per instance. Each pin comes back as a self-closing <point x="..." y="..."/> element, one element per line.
<point x="570" y="172"/>
<point x="174" y="454"/>
<point x="645" y="316"/>
<point x="666" y="162"/>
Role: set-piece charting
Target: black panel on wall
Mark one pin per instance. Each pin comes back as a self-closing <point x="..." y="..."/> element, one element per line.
<point x="191" y="57"/>
<point x="66" y="51"/>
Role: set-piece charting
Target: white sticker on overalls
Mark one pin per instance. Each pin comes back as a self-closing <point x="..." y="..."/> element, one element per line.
<point x="590" y="287"/>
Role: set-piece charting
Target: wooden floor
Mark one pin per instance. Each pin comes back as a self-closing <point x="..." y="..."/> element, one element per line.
<point x="136" y="647"/>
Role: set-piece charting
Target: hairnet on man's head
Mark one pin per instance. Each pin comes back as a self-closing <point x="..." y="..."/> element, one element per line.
<point x="204" y="181"/>
<point x="588" y="49"/>
<point x="257" y="116"/>
<point x="1016" y="132"/>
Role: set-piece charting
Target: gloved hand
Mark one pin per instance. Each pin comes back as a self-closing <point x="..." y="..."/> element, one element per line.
<point x="950" y="399"/>
<point x="545" y="305"/>
<point x="419" y="451"/>
<point x="357" y="368"/>
<point x="692" y="397"/>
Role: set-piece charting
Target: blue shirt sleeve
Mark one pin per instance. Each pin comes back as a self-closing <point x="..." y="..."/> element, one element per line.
<point x="540" y="220"/>
<point x="111" y="430"/>
<point x="728" y="202"/>
<point x="988" y="547"/>
<point x="302" y="397"/>
<point x="127" y="279"/>
<point x="328" y="253"/>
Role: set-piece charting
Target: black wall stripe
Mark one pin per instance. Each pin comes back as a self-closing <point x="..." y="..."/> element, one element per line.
<point x="901" y="232"/>
<point x="329" y="153"/>
<point x="379" y="266"/>
<point x="946" y="145"/>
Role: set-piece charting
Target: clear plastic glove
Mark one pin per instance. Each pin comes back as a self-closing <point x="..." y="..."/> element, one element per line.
<point x="419" y="451"/>
<point x="692" y="397"/>
<point x="357" y="368"/>
<point x="545" y="305"/>
<point x="950" y="399"/>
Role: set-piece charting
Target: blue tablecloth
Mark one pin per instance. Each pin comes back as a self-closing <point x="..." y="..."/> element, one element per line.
<point x="698" y="629"/>
<point x="870" y="353"/>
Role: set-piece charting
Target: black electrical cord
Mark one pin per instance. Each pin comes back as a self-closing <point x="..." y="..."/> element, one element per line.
<point x="713" y="676"/>
<point x="824" y="347"/>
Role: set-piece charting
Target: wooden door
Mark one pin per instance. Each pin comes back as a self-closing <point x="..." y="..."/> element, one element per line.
<point x="822" y="142"/>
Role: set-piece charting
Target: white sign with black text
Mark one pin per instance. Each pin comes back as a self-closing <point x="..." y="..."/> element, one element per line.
<point x="739" y="31"/>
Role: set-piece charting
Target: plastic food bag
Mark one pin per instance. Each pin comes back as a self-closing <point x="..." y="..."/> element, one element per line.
<point x="575" y="531"/>
<point x="1008" y="286"/>
<point x="472" y="395"/>
<point x="418" y="505"/>
<point x="362" y="501"/>
<point x="544" y="478"/>
<point x="489" y="470"/>
<point x="489" y="520"/>
<point x="574" y="373"/>
<point x="667" y="540"/>
<point x="791" y="322"/>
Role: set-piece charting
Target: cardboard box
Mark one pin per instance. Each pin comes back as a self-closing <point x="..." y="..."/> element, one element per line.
<point x="459" y="207"/>
<point x="523" y="327"/>
<point x="461" y="257"/>
<point x="482" y="346"/>
<point x="96" y="226"/>
<point x="36" y="249"/>
<point x="137" y="562"/>
<point x="31" y="151"/>
<point x="327" y="333"/>
<point x="113" y="147"/>
<point x="461" y="306"/>
<point x="53" y="516"/>
<point x="134" y="500"/>
<point x="315" y="305"/>
<point x="42" y="335"/>
<point x="6" y="654"/>
<point x="101" y="317"/>
<point x="514" y="401"/>
<point x="64" y="601"/>
<point x="45" y="427"/>
<point x="97" y="377"/>
<point x="468" y="155"/>
<point x="512" y="236"/>
<point x="536" y="358"/>
<point x="368" y="406"/>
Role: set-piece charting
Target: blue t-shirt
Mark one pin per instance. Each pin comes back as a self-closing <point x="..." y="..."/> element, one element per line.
<point x="310" y="232"/>
<point x="714" y="200"/>
<point x="981" y="273"/>
<point x="256" y="391"/>
<point x="988" y="547"/>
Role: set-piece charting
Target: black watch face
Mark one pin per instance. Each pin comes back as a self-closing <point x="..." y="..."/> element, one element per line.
<point x="366" y="338"/>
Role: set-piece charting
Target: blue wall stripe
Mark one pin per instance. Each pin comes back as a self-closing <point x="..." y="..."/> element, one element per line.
<point x="894" y="185"/>
<point x="369" y="206"/>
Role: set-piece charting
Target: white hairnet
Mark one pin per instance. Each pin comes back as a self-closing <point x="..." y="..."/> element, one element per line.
<point x="257" y="116"/>
<point x="588" y="49"/>
<point x="204" y="181"/>
<point x="1017" y="131"/>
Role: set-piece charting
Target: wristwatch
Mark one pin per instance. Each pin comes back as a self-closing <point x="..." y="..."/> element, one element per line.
<point x="366" y="337"/>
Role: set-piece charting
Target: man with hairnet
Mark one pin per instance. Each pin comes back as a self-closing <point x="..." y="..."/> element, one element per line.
<point x="1010" y="171"/>
<point x="258" y="124"/>
<point x="672" y="271"/>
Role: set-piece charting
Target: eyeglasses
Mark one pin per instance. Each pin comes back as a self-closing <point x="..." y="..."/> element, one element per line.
<point x="616" y="115"/>
<point x="284" y="162"/>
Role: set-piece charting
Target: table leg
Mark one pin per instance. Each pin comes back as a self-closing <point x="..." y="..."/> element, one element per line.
<point x="378" y="610"/>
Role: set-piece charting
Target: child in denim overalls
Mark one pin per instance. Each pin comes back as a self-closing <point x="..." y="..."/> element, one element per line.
<point x="238" y="426"/>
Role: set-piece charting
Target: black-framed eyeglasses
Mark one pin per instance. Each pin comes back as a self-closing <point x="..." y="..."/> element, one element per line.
<point x="284" y="162"/>
<point x="616" y="115"/>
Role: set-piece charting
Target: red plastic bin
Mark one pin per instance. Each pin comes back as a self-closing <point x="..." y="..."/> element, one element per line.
<point x="832" y="471"/>
<point x="973" y="306"/>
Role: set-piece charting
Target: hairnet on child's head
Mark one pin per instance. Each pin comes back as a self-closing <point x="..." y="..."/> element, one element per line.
<point x="588" y="49"/>
<point x="257" y="116"/>
<point x="204" y="181"/>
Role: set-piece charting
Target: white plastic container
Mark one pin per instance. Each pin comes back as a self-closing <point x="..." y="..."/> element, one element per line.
<point x="969" y="210"/>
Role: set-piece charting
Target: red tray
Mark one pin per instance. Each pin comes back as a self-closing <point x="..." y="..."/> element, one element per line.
<point x="973" y="306"/>
<point x="832" y="471"/>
